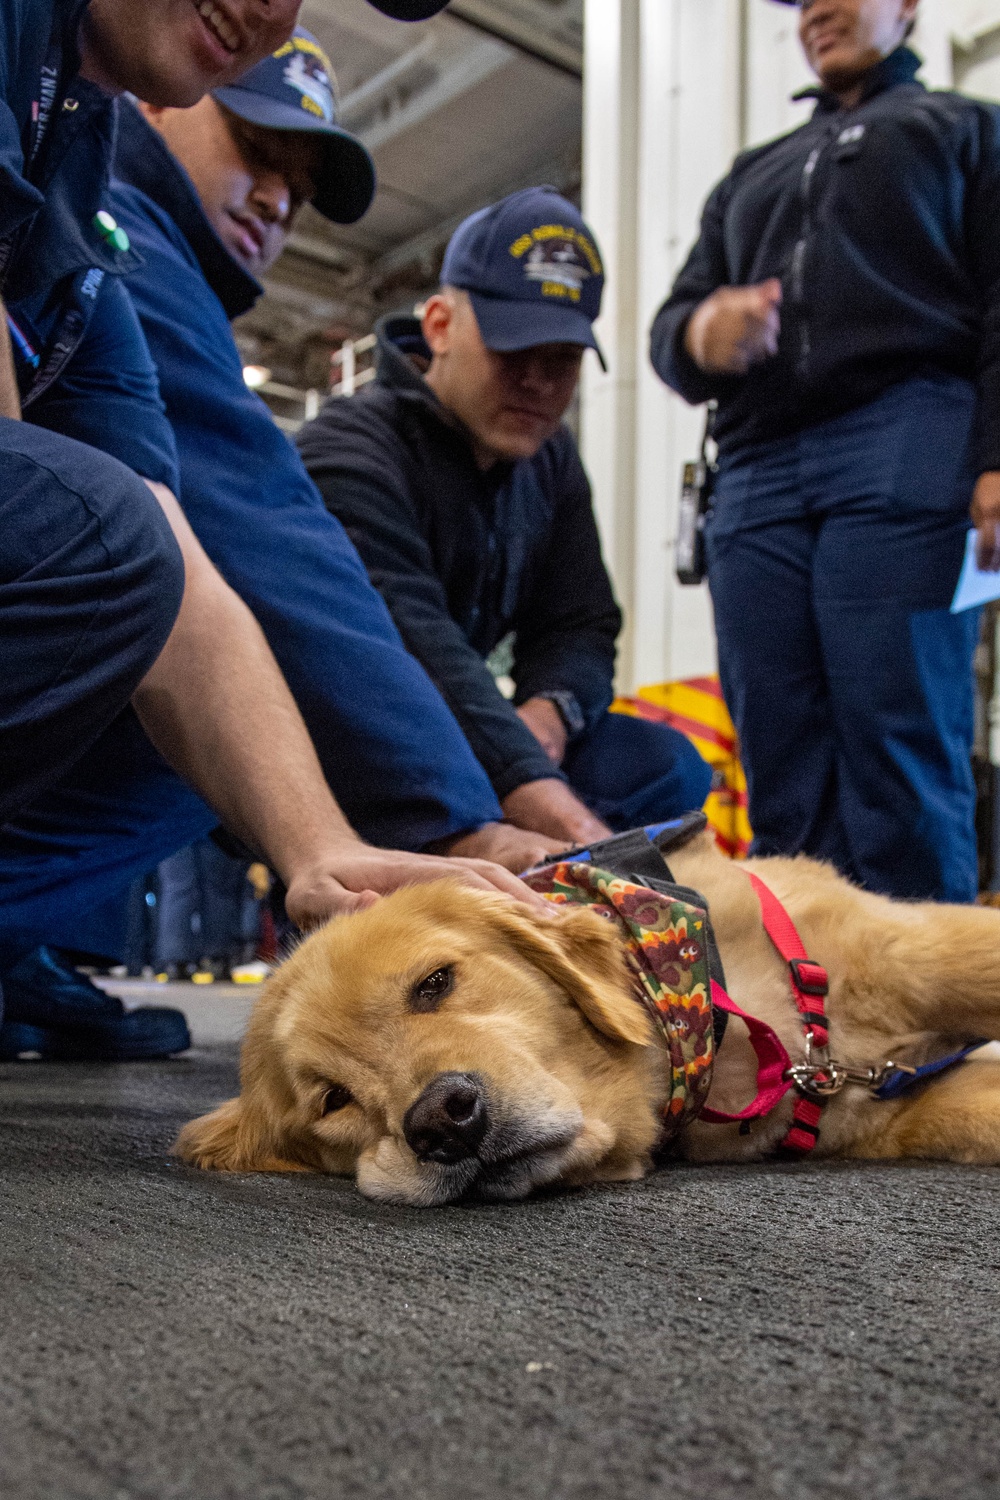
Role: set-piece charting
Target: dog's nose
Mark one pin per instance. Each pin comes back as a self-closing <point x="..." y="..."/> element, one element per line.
<point x="448" y="1121"/>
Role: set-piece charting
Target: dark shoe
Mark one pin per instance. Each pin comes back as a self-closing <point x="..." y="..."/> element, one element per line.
<point x="19" y="1040"/>
<point x="43" y="989"/>
<point x="151" y="1031"/>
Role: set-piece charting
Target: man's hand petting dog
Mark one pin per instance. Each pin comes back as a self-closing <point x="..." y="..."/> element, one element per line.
<point x="354" y="875"/>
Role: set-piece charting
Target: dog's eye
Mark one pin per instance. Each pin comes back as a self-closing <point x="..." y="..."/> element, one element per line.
<point x="427" y="994"/>
<point x="336" y="1098"/>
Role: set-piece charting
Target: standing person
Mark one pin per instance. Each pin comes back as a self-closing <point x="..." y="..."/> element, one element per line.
<point x="842" y="305"/>
<point x="464" y="493"/>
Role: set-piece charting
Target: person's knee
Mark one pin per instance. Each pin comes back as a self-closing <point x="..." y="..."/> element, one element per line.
<point x="671" y="766"/>
<point x="694" y="771"/>
<point x="637" y="770"/>
<point x="91" y="580"/>
<point x="96" y="538"/>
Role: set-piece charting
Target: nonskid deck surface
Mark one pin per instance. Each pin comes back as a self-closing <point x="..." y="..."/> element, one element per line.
<point x="778" y="1332"/>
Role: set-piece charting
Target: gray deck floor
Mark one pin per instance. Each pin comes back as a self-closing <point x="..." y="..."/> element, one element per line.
<point x="789" y="1331"/>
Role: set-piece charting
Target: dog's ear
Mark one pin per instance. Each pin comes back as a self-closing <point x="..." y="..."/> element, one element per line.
<point x="582" y="953"/>
<point x="227" y="1140"/>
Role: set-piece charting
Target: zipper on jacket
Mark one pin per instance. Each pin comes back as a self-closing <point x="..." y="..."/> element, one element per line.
<point x="801" y="251"/>
<point x="799" y="259"/>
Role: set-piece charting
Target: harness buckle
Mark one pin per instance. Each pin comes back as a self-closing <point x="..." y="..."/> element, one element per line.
<point x="811" y="978"/>
<point x="817" y="1083"/>
<point x="819" y="1077"/>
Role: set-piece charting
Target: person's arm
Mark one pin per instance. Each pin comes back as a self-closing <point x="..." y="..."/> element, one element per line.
<point x="371" y="499"/>
<point x="266" y="784"/>
<point x="376" y="510"/>
<point x="708" y="334"/>
<point x="702" y="274"/>
<point x="533" y="795"/>
<point x="984" y="250"/>
<point x="735" y="328"/>
<point x="567" y="630"/>
<point x="550" y="807"/>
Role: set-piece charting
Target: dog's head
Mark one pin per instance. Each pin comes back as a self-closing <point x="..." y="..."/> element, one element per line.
<point x="445" y="1043"/>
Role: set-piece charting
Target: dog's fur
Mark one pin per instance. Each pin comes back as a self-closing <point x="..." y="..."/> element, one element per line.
<point x="543" y="1015"/>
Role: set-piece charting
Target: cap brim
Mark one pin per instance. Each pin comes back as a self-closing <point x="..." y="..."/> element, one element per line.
<point x="346" y="185"/>
<point x="409" y="10"/>
<point x="507" y="325"/>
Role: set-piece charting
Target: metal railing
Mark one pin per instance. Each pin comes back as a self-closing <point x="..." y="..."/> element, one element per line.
<point x="347" y="358"/>
<point x="344" y="363"/>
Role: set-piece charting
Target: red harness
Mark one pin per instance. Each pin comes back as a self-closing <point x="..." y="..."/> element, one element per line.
<point x="810" y="986"/>
<point x="814" y="1078"/>
<point x="817" y="1078"/>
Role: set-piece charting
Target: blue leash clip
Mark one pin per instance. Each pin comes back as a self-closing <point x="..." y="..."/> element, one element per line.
<point x="901" y="1078"/>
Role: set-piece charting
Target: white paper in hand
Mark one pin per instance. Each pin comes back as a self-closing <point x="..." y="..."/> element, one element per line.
<point x="974" y="586"/>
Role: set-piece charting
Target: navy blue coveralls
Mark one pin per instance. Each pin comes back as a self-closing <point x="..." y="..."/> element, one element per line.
<point x="465" y="559"/>
<point x="847" y="465"/>
<point x="394" y="756"/>
<point x="90" y="575"/>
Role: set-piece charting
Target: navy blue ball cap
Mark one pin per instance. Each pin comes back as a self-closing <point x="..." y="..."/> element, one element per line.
<point x="409" y="10"/>
<point x="532" y="270"/>
<point x="293" y="90"/>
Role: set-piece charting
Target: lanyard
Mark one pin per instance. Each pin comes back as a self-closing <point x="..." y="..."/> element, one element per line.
<point x="48" y="92"/>
<point x="77" y="312"/>
<point x="42" y="110"/>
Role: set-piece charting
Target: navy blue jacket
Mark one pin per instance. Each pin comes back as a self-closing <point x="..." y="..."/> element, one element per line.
<point x="463" y="558"/>
<point x="394" y="756"/>
<point x="882" y="224"/>
<point x="81" y="361"/>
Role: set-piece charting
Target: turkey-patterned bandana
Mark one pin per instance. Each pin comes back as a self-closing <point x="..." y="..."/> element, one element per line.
<point x="665" y="941"/>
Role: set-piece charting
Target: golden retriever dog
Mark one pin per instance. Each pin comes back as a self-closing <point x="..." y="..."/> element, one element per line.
<point x="445" y="1043"/>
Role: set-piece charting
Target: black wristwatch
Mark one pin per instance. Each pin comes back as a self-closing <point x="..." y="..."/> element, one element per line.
<point x="569" y="710"/>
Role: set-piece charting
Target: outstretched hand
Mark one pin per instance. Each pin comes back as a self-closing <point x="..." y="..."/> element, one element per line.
<point x="735" y="328"/>
<point x="353" y="877"/>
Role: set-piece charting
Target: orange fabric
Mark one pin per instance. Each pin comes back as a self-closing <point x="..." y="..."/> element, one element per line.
<point x="696" y="708"/>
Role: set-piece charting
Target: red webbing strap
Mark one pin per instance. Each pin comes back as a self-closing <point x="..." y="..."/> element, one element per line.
<point x="810" y="985"/>
<point x="805" y="1127"/>
<point x="809" y="980"/>
<point x="773" y="1063"/>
